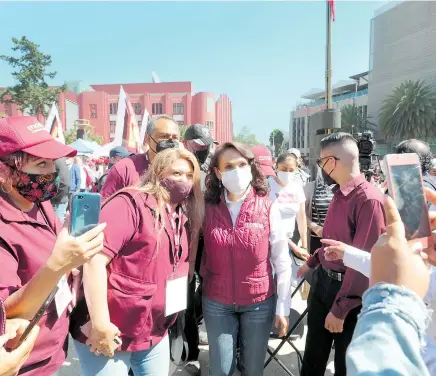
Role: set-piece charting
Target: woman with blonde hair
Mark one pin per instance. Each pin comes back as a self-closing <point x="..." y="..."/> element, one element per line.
<point x="136" y="286"/>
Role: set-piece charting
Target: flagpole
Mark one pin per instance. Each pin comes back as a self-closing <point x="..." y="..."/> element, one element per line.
<point x="328" y="55"/>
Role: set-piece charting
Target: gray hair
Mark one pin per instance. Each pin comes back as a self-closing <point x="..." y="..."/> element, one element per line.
<point x="151" y="125"/>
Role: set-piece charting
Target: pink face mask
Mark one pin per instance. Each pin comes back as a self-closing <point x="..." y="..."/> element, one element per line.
<point x="178" y="190"/>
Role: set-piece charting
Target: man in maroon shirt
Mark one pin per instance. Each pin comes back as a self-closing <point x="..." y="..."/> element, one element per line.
<point x="356" y="217"/>
<point x="162" y="133"/>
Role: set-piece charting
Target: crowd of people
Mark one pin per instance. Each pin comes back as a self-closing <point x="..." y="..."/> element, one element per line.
<point x="192" y="230"/>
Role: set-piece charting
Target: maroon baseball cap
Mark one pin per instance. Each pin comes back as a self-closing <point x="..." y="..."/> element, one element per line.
<point x="27" y="134"/>
<point x="264" y="158"/>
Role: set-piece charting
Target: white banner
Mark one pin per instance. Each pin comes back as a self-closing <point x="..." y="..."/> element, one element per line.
<point x="144" y="126"/>
<point x="119" y="126"/>
<point x="54" y="125"/>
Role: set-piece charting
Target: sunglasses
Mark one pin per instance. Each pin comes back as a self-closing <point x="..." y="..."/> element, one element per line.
<point x="320" y="160"/>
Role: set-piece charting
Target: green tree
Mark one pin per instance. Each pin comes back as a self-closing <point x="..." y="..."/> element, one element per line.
<point x="31" y="93"/>
<point x="409" y="112"/>
<point x="245" y="137"/>
<point x="355" y="121"/>
<point x="71" y="136"/>
<point x="182" y="130"/>
<point x="277" y="140"/>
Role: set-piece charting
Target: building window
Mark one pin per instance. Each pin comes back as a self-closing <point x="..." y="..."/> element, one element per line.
<point x="137" y="108"/>
<point x="112" y="125"/>
<point x="113" y="107"/>
<point x="178" y="109"/>
<point x="8" y="109"/>
<point x="210" y="124"/>
<point x="156" y="108"/>
<point x="93" y="111"/>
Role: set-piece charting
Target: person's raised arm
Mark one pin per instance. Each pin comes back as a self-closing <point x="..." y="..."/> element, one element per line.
<point x="399" y="280"/>
<point x="68" y="253"/>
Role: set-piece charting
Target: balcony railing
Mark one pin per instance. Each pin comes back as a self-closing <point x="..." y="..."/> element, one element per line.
<point x="339" y="98"/>
<point x="82" y="123"/>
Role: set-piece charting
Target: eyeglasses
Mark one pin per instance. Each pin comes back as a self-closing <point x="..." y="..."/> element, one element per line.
<point x="320" y="160"/>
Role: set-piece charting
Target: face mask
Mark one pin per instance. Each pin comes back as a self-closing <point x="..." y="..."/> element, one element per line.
<point x="237" y="180"/>
<point x="327" y="177"/>
<point x="201" y="155"/>
<point x="286" y="177"/>
<point x="178" y="190"/>
<point x="168" y="144"/>
<point x="36" y="187"/>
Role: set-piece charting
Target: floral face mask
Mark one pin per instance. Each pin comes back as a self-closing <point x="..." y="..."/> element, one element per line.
<point x="37" y="187"/>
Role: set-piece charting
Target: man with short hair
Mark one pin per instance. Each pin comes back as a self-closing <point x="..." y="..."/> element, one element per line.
<point x="162" y="133"/>
<point x="356" y="217"/>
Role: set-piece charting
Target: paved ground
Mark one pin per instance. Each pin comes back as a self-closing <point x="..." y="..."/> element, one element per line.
<point x="287" y="355"/>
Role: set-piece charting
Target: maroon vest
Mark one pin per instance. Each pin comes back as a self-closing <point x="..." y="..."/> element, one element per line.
<point x="236" y="260"/>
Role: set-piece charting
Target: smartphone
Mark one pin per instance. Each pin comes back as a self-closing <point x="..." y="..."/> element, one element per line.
<point x="84" y="212"/>
<point x="86" y="331"/>
<point x="37" y="317"/>
<point x="405" y="186"/>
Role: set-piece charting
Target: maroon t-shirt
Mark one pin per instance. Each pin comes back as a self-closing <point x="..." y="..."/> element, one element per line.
<point x="125" y="173"/>
<point x="26" y="241"/>
<point x="356" y="219"/>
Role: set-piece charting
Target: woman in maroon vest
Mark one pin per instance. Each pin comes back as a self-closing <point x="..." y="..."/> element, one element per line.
<point x="136" y="286"/>
<point x="243" y="238"/>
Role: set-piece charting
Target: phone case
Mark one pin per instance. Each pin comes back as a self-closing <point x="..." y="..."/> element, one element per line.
<point x="85" y="212"/>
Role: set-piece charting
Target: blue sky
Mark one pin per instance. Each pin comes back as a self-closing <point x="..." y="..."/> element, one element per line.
<point x="264" y="55"/>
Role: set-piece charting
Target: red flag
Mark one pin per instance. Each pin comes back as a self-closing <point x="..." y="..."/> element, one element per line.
<point x="331" y="3"/>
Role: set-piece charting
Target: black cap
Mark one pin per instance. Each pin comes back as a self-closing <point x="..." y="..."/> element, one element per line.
<point x="199" y="134"/>
<point x="119" y="151"/>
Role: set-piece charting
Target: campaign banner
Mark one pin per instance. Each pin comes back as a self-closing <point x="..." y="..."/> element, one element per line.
<point x="53" y="124"/>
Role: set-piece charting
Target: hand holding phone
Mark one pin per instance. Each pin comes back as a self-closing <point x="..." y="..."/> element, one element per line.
<point x="102" y="339"/>
<point x="12" y="361"/>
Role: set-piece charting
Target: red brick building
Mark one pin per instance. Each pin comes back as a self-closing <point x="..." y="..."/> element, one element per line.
<point x="98" y="104"/>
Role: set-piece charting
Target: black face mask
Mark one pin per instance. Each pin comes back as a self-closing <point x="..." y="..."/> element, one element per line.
<point x="327" y="177"/>
<point x="168" y="144"/>
<point x="201" y="155"/>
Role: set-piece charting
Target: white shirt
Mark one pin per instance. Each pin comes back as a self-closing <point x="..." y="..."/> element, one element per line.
<point x="82" y="177"/>
<point x="288" y="199"/>
<point x="279" y="255"/>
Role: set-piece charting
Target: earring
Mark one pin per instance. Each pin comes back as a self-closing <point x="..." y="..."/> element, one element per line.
<point x="10" y="185"/>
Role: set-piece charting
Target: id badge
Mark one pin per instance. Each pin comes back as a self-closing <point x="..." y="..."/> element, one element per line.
<point x="63" y="297"/>
<point x="176" y="292"/>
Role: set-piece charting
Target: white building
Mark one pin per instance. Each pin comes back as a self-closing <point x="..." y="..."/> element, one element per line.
<point x="352" y="91"/>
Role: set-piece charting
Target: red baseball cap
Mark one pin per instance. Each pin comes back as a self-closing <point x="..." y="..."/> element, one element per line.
<point x="264" y="158"/>
<point x="27" y="134"/>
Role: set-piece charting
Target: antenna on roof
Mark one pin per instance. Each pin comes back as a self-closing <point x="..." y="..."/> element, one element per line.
<point x="155" y="78"/>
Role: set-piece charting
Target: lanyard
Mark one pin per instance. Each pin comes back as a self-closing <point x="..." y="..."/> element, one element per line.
<point x="176" y="224"/>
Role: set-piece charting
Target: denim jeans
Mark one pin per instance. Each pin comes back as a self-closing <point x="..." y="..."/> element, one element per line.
<point x="152" y="362"/>
<point x="251" y="324"/>
<point x="60" y="210"/>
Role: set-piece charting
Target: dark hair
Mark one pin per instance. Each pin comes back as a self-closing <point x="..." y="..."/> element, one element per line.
<point x="336" y="138"/>
<point x="421" y="148"/>
<point x="213" y="184"/>
<point x="284" y="156"/>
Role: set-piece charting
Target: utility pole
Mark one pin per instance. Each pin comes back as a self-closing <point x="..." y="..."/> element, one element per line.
<point x="328" y="55"/>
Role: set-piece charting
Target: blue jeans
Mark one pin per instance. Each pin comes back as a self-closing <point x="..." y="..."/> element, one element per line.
<point x="60" y="210"/>
<point x="152" y="362"/>
<point x="251" y="324"/>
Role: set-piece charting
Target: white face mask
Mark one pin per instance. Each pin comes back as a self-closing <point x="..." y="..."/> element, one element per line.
<point x="286" y="177"/>
<point x="236" y="181"/>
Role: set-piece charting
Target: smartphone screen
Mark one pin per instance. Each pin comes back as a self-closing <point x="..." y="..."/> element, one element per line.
<point x="85" y="212"/>
<point x="410" y="200"/>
